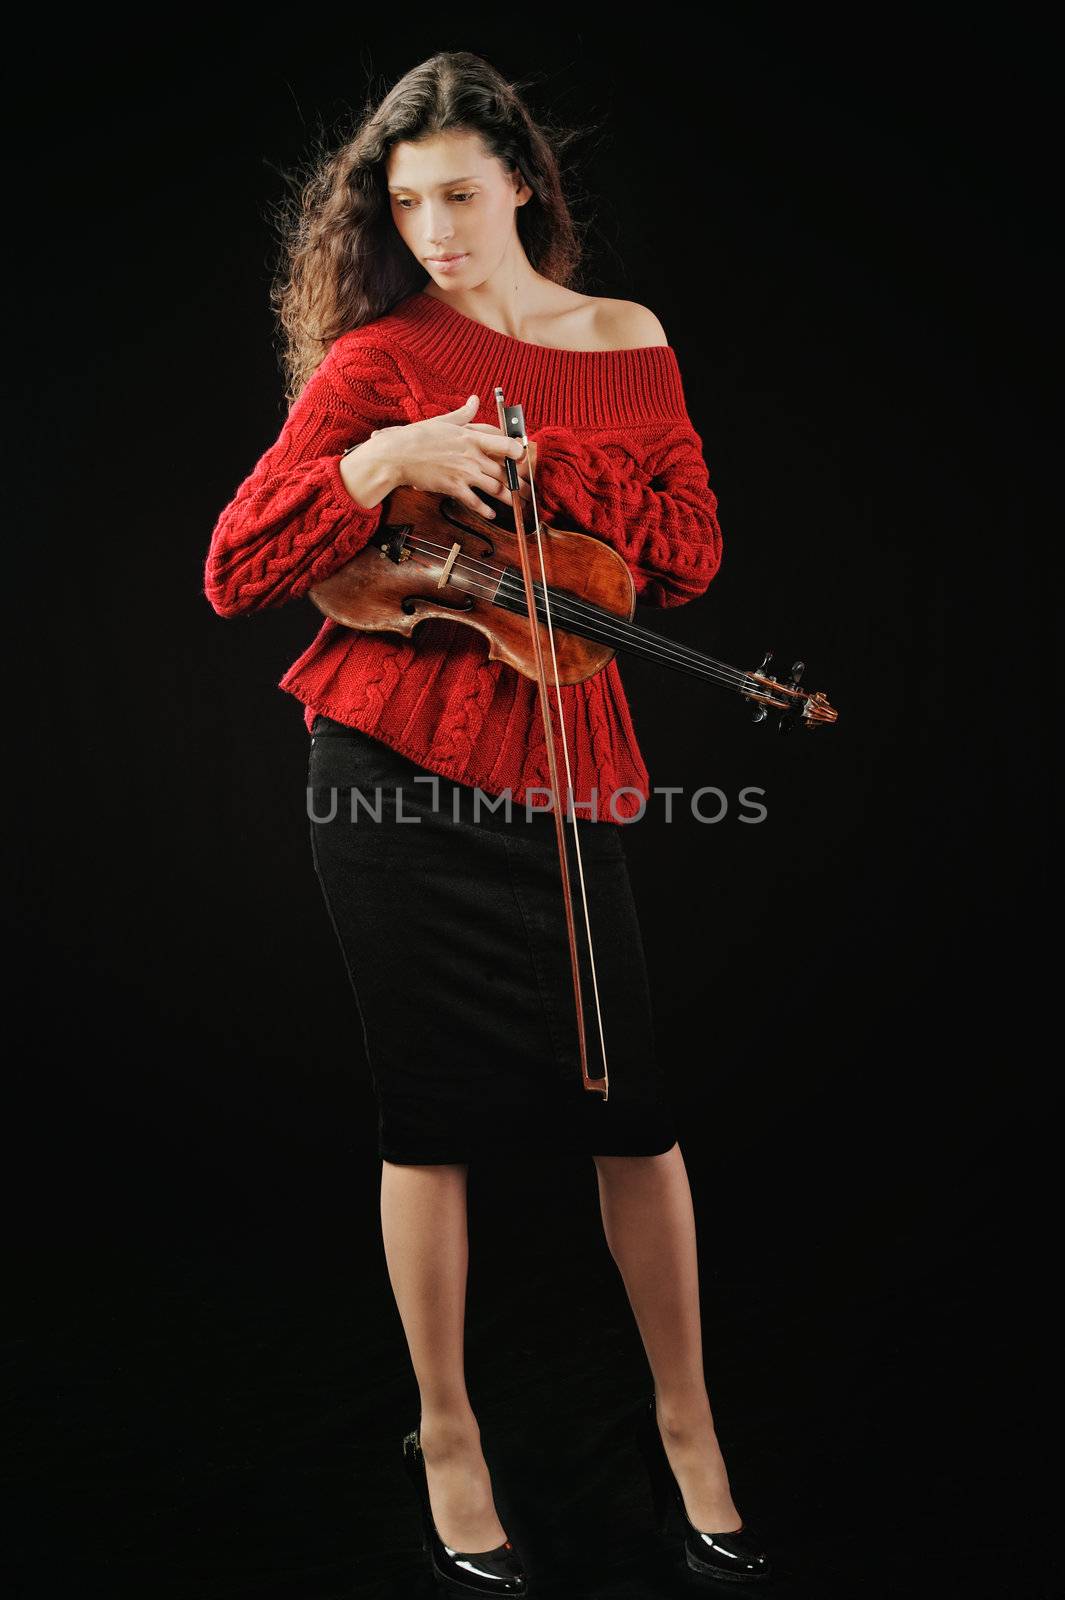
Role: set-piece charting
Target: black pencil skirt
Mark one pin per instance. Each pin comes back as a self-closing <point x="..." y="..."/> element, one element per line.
<point x="451" y="924"/>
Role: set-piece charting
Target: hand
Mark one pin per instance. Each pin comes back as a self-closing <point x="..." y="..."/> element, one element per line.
<point x="451" y="454"/>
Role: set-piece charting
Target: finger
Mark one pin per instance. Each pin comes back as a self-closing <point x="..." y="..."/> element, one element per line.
<point x="496" y="453"/>
<point x="491" y="427"/>
<point x="491" y="482"/>
<point x="495" y="442"/>
<point x="466" y="496"/>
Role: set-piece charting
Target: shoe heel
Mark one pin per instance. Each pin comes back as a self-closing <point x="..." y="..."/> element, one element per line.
<point x="664" y="1491"/>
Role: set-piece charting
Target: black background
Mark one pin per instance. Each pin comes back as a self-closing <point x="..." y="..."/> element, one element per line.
<point x="848" y="241"/>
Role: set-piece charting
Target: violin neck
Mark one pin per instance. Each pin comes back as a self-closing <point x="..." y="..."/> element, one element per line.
<point x="593" y="622"/>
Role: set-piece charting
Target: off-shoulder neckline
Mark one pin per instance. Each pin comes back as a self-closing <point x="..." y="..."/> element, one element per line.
<point x="636" y="385"/>
<point x="529" y="344"/>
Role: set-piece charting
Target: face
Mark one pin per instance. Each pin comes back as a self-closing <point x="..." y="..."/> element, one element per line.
<point x="449" y="197"/>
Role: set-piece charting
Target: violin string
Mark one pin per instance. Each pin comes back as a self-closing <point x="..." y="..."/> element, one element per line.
<point x="651" y="644"/>
<point x="569" y="776"/>
<point x="572" y="607"/>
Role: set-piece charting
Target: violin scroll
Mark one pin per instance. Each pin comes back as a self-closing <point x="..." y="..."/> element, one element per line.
<point x="794" y="706"/>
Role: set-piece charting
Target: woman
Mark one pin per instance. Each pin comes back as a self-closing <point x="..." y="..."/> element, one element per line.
<point x="430" y="262"/>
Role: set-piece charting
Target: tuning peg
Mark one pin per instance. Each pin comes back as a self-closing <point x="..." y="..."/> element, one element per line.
<point x="761" y="712"/>
<point x="797" y="670"/>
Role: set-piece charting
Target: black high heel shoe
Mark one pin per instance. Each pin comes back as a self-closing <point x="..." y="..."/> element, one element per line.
<point x="731" y="1555"/>
<point x="460" y="1573"/>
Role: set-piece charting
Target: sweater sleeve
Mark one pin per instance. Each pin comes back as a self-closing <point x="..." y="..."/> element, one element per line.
<point x="658" y="512"/>
<point x="292" y="522"/>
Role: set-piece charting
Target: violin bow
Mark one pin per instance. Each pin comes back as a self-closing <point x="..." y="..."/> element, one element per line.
<point x="512" y="423"/>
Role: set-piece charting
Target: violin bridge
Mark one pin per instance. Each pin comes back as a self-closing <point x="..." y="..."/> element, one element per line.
<point x="441" y="582"/>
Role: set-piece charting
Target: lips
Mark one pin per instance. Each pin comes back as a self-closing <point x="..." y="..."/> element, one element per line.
<point x="458" y="254"/>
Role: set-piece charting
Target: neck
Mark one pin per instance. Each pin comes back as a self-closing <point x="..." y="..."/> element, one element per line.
<point x="506" y="301"/>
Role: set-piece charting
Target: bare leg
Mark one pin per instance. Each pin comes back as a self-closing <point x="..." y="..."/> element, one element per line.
<point x="424" y="1228"/>
<point x="649" y="1223"/>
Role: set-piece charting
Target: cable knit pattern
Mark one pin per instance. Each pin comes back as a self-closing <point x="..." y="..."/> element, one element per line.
<point x="617" y="458"/>
<point x="647" y="496"/>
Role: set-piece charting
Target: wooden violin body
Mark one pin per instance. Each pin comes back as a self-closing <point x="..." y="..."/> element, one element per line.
<point x="434" y="557"/>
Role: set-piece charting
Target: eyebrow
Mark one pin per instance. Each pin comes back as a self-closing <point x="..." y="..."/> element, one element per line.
<point x="466" y="178"/>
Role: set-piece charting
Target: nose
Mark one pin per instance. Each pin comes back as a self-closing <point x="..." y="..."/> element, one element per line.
<point x="438" y="237"/>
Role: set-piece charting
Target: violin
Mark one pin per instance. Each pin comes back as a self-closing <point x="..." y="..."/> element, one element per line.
<point x="433" y="556"/>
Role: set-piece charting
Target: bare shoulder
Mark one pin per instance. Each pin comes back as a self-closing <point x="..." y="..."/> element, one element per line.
<point x="627" y="325"/>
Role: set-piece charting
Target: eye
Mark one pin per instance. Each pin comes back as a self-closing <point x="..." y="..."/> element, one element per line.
<point x="460" y="194"/>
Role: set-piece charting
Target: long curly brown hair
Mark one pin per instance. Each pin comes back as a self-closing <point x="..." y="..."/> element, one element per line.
<point x="343" y="263"/>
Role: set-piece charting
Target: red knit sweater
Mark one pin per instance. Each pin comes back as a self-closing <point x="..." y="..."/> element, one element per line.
<point x="617" y="457"/>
